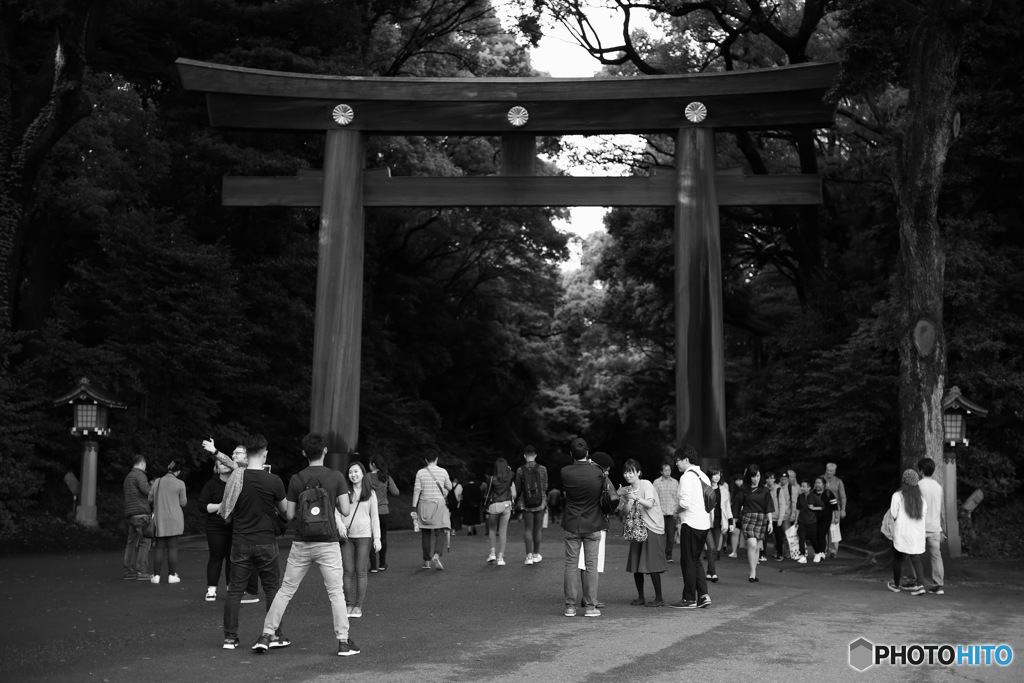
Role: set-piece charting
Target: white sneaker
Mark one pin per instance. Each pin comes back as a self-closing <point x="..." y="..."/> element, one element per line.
<point x="490" y="558"/>
<point x="211" y="594"/>
<point x="537" y="558"/>
<point x="802" y="559"/>
<point x="501" y="560"/>
<point x="529" y="559"/>
<point x="155" y="578"/>
<point x="173" y="578"/>
<point x="818" y="556"/>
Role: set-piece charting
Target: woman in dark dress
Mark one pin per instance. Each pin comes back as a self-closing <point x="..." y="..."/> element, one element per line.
<point x="753" y="507"/>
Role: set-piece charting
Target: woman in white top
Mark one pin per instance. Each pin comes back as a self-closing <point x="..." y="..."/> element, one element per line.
<point x="721" y="522"/>
<point x="363" y="524"/>
<point x="647" y="556"/>
<point x="908" y="509"/>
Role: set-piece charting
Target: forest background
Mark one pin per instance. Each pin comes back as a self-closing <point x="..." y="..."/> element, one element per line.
<point x="120" y="263"/>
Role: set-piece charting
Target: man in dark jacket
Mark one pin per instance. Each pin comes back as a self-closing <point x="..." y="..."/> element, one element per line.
<point x="582" y="522"/>
<point x="136" y="513"/>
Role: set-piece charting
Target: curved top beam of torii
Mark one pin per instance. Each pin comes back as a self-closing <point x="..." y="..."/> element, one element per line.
<point x="240" y="97"/>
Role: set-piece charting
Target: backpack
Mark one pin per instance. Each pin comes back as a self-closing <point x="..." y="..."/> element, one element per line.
<point x="708" y="492"/>
<point x="533" y="496"/>
<point x="315" y="513"/>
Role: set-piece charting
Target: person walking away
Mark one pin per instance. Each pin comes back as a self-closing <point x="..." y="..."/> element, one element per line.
<point x="363" y="526"/>
<point x="754" y="507"/>
<point x="532" y="482"/>
<point x="582" y="521"/>
<point x="316" y="496"/>
<point x="253" y="539"/>
<point x="501" y="492"/>
<point x="646" y="555"/>
<point x="472" y="497"/>
<point x="168" y="498"/>
<point x="136" y="515"/>
<point x="909" y="511"/>
<point x="828" y="514"/>
<point x="934" y="523"/>
<point x="218" y="534"/>
<point x="383" y="486"/>
<point x="835" y="485"/>
<point x="808" y="504"/>
<point x="429" y="492"/>
<point x="667" y="487"/>
<point x="721" y="516"/>
<point x="555" y="506"/>
<point x="694" y="524"/>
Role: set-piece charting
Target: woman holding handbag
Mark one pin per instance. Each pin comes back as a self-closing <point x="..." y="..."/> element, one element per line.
<point x="168" y="498"/>
<point x="363" y="525"/>
<point x="429" y="494"/>
<point x="501" y="492"/>
<point x="644" y="528"/>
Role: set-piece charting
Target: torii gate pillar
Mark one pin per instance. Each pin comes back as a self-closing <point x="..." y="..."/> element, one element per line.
<point x="337" y="342"/>
<point x="700" y="338"/>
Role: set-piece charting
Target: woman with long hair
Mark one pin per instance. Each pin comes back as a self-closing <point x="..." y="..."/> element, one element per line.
<point x="501" y="491"/>
<point x="721" y="520"/>
<point x="168" y="498"/>
<point x="908" y="509"/>
<point x="382" y="485"/>
<point x="218" y="532"/>
<point x="734" y="530"/>
<point x="363" y="524"/>
<point x="640" y="499"/>
<point x="754" y="508"/>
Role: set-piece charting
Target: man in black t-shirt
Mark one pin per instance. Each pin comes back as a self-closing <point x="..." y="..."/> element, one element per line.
<point x="253" y="541"/>
<point x="319" y="551"/>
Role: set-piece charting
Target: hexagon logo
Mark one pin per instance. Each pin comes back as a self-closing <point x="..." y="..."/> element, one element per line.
<point x="862" y="654"/>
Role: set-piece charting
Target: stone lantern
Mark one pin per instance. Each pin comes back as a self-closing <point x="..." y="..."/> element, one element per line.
<point x="955" y="410"/>
<point x="91" y="406"/>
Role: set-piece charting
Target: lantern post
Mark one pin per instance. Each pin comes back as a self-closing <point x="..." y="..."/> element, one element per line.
<point x="955" y="409"/>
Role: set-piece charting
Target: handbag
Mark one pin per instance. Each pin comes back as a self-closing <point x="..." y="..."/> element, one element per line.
<point x="609" y="499"/>
<point x="793" y="538"/>
<point x="887" y="523"/>
<point x="633" y="528"/>
<point x="835" y="535"/>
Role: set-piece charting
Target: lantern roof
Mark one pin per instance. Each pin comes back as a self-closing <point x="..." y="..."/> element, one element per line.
<point x="954" y="400"/>
<point x="87" y="391"/>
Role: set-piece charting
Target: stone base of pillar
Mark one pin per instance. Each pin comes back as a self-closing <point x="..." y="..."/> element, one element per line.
<point x="85" y="515"/>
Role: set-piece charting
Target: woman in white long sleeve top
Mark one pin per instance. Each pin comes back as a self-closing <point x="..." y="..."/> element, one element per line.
<point x="908" y="509"/>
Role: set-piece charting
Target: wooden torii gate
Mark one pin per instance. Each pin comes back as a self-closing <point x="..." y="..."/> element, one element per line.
<point x="690" y="107"/>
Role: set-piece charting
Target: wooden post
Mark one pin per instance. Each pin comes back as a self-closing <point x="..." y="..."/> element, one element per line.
<point x="700" y="344"/>
<point x="85" y="514"/>
<point x="518" y="154"/>
<point x="337" y="335"/>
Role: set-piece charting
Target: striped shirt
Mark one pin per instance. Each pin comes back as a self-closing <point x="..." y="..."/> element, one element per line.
<point x="667" y="488"/>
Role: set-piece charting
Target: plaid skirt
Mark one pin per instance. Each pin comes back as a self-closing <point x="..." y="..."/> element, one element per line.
<point x="753" y="525"/>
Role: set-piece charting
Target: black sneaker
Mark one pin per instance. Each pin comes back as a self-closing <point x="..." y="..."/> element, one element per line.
<point x="685" y="604"/>
<point x="704" y="601"/>
<point x="262" y="643"/>
<point x="230" y="643"/>
<point x="279" y="640"/>
<point x="347" y="648"/>
<point x="936" y="590"/>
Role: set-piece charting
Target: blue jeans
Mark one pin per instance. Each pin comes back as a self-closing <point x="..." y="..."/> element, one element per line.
<point x="136" y="550"/>
<point x="246" y="559"/>
<point x="303" y="555"/>
<point x="591" y="543"/>
<point x="356" y="555"/>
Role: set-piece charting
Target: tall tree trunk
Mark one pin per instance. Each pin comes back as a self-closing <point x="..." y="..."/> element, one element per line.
<point x="936" y="47"/>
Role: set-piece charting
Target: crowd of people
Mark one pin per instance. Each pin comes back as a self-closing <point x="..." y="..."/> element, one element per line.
<point x="341" y="523"/>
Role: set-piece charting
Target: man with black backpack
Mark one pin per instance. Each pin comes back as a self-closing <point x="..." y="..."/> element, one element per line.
<point x="313" y="496"/>
<point x="695" y="502"/>
<point x="532" y="480"/>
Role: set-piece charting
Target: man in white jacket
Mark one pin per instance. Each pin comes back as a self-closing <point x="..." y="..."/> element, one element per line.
<point x="694" y="523"/>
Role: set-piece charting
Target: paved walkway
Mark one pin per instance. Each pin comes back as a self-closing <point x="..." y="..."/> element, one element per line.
<point x="71" y="618"/>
